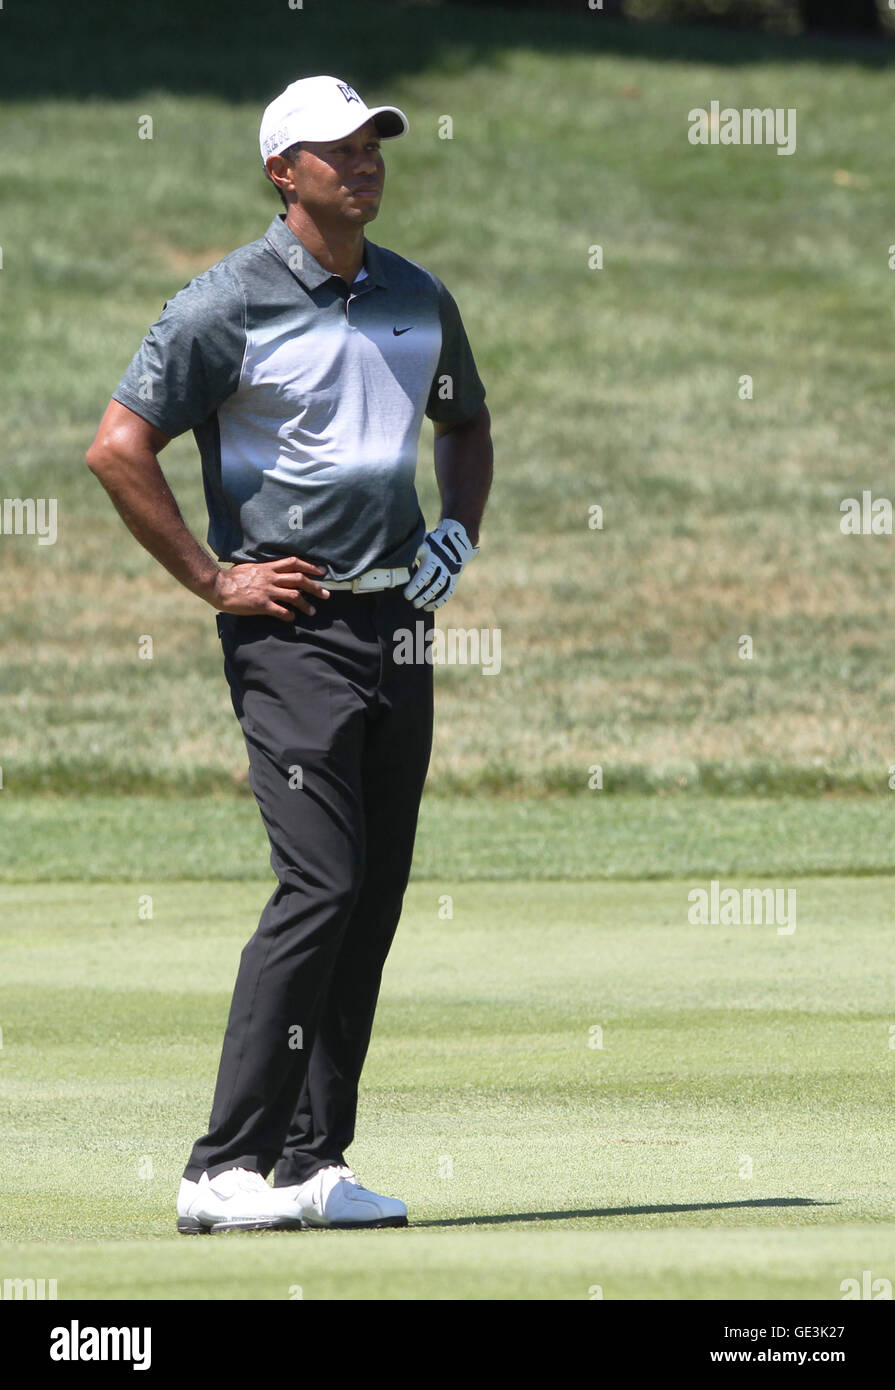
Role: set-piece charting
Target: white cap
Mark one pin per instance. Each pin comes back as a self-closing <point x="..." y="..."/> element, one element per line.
<point x="322" y="108"/>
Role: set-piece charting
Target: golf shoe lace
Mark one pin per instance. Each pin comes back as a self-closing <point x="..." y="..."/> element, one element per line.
<point x="249" y="1181"/>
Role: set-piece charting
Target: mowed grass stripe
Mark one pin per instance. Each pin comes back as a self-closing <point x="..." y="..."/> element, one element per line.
<point x="595" y="835"/>
<point x="536" y="1263"/>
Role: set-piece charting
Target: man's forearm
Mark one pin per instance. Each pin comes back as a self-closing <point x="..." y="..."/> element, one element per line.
<point x="146" y="505"/>
<point x="464" y="465"/>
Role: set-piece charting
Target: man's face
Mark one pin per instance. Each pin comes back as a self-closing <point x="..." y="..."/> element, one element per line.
<point x="338" y="179"/>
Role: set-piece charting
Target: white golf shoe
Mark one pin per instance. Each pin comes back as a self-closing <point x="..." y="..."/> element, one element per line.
<point x="333" y="1197"/>
<point x="235" y="1200"/>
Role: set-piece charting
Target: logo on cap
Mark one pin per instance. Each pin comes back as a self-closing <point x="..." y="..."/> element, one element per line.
<point x="348" y="92"/>
<point x="272" y="141"/>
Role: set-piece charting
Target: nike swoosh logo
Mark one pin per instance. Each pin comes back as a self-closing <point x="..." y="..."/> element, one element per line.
<point x="398" y="331"/>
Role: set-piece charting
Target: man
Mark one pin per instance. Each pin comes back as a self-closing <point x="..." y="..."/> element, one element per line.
<point x="303" y="363"/>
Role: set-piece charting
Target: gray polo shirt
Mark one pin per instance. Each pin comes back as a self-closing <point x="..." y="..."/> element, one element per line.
<point x="306" y="398"/>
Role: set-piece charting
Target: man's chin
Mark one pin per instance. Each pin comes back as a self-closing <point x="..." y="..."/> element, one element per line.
<point x="365" y="208"/>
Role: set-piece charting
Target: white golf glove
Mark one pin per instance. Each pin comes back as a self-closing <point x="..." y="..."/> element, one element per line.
<point x="440" y="558"/>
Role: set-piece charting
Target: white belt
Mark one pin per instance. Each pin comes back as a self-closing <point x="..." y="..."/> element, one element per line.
<point x="373" y="579"/>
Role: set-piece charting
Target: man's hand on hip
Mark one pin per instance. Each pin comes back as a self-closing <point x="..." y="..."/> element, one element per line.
<point x="264" y="587"/>
<point x="441" y="557"/>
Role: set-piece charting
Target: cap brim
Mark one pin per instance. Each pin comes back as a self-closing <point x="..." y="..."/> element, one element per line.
<point x="390" y="122"/>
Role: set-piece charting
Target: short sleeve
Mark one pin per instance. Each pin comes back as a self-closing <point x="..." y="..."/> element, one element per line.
<point x="191" y="358"/>
<point x="456" y="392"/>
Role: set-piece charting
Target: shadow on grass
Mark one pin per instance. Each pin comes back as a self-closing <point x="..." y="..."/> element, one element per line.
<point x="503" y="1218"/>
<point x="242" y="52"/>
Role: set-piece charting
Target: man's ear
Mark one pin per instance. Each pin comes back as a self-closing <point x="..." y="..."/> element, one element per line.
<point x="277" y="168"/>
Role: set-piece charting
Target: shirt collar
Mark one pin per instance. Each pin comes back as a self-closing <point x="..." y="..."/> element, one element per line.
<point x="373" y="262"/>
<point x="309" y="270"/>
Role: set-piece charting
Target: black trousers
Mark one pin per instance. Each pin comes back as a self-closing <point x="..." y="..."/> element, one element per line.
<point x="338" y="736"/>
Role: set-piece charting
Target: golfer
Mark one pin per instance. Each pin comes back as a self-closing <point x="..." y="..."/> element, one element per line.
<point x="304" y="363"/>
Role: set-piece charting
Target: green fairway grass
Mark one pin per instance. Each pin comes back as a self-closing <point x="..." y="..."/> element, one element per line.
<point x="591" y="836"/>
<point x="730" y="1138"/>
<point x="489" y="1262"/>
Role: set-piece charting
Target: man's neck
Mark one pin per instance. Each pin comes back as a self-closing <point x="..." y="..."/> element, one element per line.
<point x="339" y="250"/>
